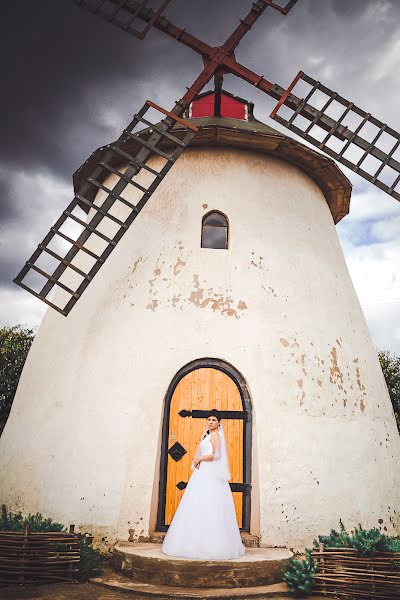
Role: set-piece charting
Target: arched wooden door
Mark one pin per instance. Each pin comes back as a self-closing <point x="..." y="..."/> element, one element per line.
<point x="190" y="397"/>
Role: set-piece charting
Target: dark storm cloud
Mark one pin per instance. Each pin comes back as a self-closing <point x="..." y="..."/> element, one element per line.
<point x="56" y="54"/>
<point x="8" y="266"/>
<point x="71" y="81"/>
<point x="62" y="67"/>
<point x="7" y="206"/>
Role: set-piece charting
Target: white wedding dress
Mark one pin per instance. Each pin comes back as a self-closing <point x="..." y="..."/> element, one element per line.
<point x="204" y="525"/>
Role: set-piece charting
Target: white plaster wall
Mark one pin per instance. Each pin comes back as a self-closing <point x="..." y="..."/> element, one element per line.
<point x="82" y="441"/>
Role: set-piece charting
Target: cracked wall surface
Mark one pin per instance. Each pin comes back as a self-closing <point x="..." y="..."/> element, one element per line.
<point x="278" y="305"/>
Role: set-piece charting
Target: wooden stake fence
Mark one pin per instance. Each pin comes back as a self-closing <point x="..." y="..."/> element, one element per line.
<point x="344" y="573"/>
<point x="34" y="558"/>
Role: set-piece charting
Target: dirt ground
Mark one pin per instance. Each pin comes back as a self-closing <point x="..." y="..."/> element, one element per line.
<point x="82" y="591"/>
<point x="62" y="591"/>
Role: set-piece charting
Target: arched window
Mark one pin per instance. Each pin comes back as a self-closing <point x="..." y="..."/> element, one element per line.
<point x="214" y="231"/>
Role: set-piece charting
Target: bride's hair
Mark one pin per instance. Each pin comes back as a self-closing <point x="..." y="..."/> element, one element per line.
<point x="214" y="413"/>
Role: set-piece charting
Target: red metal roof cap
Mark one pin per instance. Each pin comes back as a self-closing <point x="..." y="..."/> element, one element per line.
<point x="219" y="103"/>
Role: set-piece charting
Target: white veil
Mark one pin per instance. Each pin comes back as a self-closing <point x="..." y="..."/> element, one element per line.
<point x="223" y="462"/>
<point x="220" y="456"/>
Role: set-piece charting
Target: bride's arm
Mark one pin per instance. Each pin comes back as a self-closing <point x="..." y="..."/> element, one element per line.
<point x="215" y="443"/>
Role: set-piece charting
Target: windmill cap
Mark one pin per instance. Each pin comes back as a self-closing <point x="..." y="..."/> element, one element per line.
<point x="220" y="103"/>
<point x="253" y="135"/>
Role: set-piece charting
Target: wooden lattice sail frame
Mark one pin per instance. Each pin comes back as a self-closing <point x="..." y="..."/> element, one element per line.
<point x="126" y="14"/>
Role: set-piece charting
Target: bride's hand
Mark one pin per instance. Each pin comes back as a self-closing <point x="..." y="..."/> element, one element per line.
<point x="197" y="463"/>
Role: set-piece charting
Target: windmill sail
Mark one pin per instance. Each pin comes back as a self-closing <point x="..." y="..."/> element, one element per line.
<point x="342" y="130"/>
<point x="125" y="14"/>
<point x="284" y="8"/>
<point x="105" y="202"/>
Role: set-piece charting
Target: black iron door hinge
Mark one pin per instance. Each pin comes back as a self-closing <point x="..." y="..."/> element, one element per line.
<point x="225" y="414"/>
<point x="245" y="488"/>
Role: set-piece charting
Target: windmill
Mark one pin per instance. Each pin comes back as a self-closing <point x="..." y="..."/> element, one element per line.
<point x="322" y="117"/>
<point x="265" y="324"/>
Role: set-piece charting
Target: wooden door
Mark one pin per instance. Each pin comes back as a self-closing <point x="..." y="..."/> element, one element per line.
<point x="197" y="392"/>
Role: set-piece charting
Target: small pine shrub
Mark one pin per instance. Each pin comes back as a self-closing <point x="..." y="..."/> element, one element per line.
<point x="90" y="561"/>
<point x="11" y="521"/>
<point x="15" y="521"/>
<point x="393" y="545"/>
<point x="336" y="539"/>
<point x="368" y="542"/>
<point x="299" y="574"/>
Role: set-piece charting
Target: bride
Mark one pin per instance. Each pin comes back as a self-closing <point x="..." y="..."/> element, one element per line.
<point x="204" y="525"/>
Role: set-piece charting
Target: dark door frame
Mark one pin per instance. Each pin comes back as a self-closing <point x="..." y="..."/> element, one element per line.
<point x="238" y="379"/>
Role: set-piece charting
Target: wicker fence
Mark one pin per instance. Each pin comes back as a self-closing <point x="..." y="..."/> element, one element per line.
<point x="344" y="573"/>
<point x="33" y="558"/>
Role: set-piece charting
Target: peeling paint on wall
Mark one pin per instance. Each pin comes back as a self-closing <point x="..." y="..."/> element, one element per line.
<point x="152" y="305"/>
<point x="135" y="264"/>
<point x="294" y="307"/>
<point x="338" y="382"/>
<point x="197" y="293"/>
<point x="216" y="300"/>
<point x="335" y="372"/>
<point x="176" y="298"/>
<point x="162" y="280"/>
<point x="178" y="266"/>
<point x="256" y="261"/>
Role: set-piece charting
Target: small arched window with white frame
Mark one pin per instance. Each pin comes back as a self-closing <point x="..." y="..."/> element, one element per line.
<point x="214" y="231"/>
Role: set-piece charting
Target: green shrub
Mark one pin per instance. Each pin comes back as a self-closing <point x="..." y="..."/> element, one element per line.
<point x="299" y="574"/>
<point x="336" y="539"/>
<point x="90" y="561"/>
<point x="15" y="521"/>
<point x="368" y="542"/>
<point x="393" y="545"/>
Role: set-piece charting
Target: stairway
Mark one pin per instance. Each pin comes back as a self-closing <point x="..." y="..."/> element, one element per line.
<point x="141" y="569"/>
<point x="249" y="540"/>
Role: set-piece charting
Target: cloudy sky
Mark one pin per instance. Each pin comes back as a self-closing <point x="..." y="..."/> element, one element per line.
<point x="70" y="82"/>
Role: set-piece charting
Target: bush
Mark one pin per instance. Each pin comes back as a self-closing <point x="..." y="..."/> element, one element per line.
<point x="368" y="542"/>
<point x="90" y="559"/>
<point x="336" y="539"/>
<point x="299" y="574"/>
<point x="15" y="521"/>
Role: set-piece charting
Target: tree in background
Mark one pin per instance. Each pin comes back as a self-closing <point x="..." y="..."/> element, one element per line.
<point x="14" y="347"/>
<point x="391" y="369"/>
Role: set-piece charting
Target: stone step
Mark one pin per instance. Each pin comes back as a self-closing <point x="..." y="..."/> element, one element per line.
<point x="144" y="562"/>
<point x="249" y="540"/>
<point x="118" y="583"/>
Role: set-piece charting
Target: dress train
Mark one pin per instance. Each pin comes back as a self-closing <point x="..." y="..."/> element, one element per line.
<point x="204" y="525"/>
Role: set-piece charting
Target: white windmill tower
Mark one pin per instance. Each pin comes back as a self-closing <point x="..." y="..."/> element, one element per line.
<point x="229" y="291"/>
